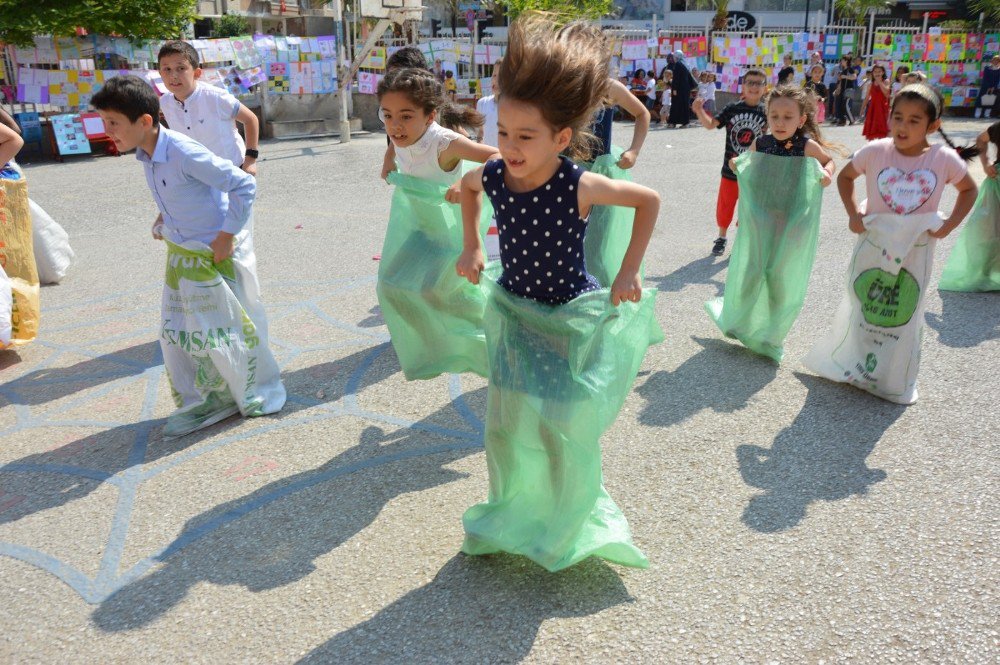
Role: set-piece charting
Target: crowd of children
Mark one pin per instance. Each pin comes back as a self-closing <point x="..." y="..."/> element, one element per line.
<point x="560" y="323"/>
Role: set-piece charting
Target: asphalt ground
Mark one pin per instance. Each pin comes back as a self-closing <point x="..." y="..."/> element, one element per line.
<point x="786" y="518"/>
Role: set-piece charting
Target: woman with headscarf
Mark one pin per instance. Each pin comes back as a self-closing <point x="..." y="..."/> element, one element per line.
<point x="680" y="91"/>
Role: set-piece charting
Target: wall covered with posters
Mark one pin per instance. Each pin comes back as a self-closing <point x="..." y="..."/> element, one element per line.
<point x="66" y="72"/>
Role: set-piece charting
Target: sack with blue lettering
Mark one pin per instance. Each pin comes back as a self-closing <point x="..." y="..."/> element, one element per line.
<point x="214" y="333"/>
<point x="6" y="305"/>
<point x="874" y="341"/>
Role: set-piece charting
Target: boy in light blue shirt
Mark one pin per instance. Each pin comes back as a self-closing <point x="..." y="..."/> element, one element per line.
<point x="215" y="352"/>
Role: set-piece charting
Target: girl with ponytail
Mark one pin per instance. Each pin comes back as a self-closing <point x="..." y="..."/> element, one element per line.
<point x="906" y="174"/>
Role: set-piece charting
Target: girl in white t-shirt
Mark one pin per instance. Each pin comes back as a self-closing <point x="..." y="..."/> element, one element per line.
<point x="434" y="317"/>
<point x="706" y="91"/>
<point x="667" y="83"/>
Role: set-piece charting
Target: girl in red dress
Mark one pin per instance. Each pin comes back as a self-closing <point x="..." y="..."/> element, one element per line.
<point x="877" y="118"/>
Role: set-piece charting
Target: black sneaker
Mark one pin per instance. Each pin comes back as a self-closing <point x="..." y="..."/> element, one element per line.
<point x="719" y="246"/>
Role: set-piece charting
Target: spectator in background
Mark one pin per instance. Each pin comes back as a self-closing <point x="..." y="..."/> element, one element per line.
<point x="844" y="92"/>
<point x="989" y="86"/>
<point x="650" y="90"/>
<point x="681" y="87"/>
<point x="897" y="82"/>
<point x="819" y="90"/>
<point x="787" y="74"/>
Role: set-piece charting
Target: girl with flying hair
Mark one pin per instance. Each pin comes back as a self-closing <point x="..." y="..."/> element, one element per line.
<point x="563" y="351"/>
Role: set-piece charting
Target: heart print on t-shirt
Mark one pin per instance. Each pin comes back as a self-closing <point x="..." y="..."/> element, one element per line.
<point x="905" y="192"/>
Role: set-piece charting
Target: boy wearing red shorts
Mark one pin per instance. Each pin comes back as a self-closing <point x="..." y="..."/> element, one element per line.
<point x="744" y="121"/>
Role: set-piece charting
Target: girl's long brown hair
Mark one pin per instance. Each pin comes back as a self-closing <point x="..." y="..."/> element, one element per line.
<point x="563" y="71"/>
<point x="807" y="107"/>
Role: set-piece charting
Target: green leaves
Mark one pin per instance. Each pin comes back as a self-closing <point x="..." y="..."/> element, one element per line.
<point x="990" y="7"/>
<point x="21" y="20"/>
<point x="584" y="9"/>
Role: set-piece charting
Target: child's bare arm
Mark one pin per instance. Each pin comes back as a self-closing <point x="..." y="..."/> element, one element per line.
<point x="707" y="121"/>
<point x="251" y="131"/>
<point x="845" y="185"/>
<point x="599" y="190"/>
<point x="967" y="192"/>
<point x="983" y="143"/>
<point x="10" y="144"/>
<point x="464" y="148"/>
<point x="621" y="96"/>
<point x="389" y="161"/>
<point x="471" y="261"/>
<point x="816" y="151"/>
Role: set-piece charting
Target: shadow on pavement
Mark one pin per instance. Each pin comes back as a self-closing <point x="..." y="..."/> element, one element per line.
<point x="699" y="271"/>
<point x="819" y="457"/>
<point x="374" y="320"/>
<point x="50" y="384"/>
<point x="477" y="609"/>
<point x="723" y="376"/>
<point x="8" y="358"/>
<point x="966" y="319"/>
<point x="271" y="538"/>
<point x="111" y="451"/>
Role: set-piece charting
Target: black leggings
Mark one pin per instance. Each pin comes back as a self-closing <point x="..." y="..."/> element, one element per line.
<point x="843" y="105"/>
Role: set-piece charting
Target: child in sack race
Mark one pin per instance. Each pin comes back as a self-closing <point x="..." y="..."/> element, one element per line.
<point x="215" y="351"/>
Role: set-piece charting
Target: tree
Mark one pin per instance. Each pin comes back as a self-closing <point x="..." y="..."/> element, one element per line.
<point x="857" y="10"/>
<point x="989" y="7"/>
<point x="21" y="20"/>
<point x="586" y="9"/>
<point x="230" y="25"/>
<point x="721" y="19"/>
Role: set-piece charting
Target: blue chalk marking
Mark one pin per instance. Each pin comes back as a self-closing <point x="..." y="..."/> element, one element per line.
<point x="130" y="479"/>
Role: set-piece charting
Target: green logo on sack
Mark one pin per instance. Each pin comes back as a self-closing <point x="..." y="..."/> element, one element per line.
<point x="887" y="300"/>
<point x="195" y="268"/>
<point x="870" y="362"/>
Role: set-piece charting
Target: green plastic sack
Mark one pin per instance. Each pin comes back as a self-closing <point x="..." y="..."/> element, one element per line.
<point x="435" y="317"/>
<point x="780" y="199"/>
<point x="974" y="264"/>
<point x="610" y="227"/>
<point x="558" y="377"/>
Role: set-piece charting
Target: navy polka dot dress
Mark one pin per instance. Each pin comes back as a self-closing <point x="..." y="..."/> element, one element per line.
<point x="541" y="236"/>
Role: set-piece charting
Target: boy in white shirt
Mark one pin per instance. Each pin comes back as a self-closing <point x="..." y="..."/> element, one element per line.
<point x="488" y="107"/>
<point x="206" y="113"/>
<point x="650" y="90"/>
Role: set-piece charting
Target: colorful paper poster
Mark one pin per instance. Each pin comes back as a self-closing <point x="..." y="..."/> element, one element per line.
<point x="327" y="46"/>
<point x="375" y="59"/>
<point x="67" y="48"/>
<point x="33" y="94"/>
<point x="233" y="83"/>
<point x="253" y="76"/>
<point x="328" y="75"/>
<point x="635" y="49"/>
<point x="300" y="78"/>
<point x="277" y="78"/>
<point x="31" y="126"/>
<point x="936" y="48"/>
<point x="644" y="64"/>
<point x="71" y="139"/>
<point x="367" y="83"/>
